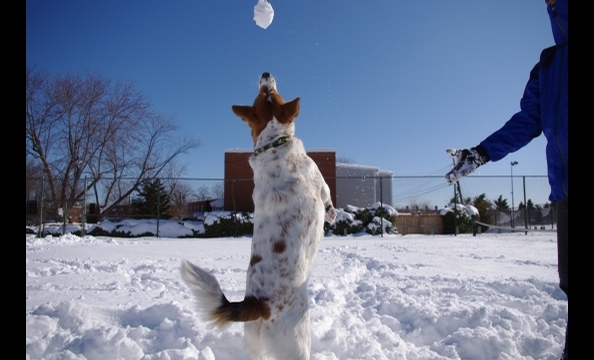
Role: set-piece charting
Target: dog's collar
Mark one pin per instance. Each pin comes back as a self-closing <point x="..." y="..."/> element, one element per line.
<point x="276" y="143"/>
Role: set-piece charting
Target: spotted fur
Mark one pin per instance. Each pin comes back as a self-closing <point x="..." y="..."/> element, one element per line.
<point x="291" y="202"/>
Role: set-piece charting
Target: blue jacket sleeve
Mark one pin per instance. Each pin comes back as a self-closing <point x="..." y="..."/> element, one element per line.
<point x="523" y="126"/>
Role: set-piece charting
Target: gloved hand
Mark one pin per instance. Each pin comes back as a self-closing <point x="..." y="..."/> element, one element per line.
<point x="466" y="161"/>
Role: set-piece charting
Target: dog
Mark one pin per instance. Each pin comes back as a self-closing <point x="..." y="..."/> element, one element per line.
<point x="291" y="203"/>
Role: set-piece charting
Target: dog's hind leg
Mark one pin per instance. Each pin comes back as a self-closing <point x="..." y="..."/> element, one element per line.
<point x="288" y="338"/>
<point x="251" y="337"/>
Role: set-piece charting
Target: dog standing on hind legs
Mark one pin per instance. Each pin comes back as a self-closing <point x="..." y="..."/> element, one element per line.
<point x="291" y="203"/>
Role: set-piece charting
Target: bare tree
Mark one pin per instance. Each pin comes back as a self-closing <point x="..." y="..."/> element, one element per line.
<point x="416" y="205"/>
<point x="180" y="197"/>
<point x="345" y="160"/>
<point x="33" y="188"/>
<point x="34" y="172"/>
<point x="90" y="130"/>
<point x="203" y="192"/>
<point x="218" y="189"/>
<point x="179" y="191"/>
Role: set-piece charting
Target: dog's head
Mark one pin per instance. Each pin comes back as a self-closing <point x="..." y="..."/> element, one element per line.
<point x="268" y="105"/>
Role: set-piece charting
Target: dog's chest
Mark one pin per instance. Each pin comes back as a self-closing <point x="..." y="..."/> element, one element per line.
<point x="288" y="218"/>
<point x="285" y="178"/>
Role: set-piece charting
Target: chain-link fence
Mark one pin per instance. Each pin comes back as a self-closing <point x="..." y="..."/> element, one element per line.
<point x="521" y="201"/>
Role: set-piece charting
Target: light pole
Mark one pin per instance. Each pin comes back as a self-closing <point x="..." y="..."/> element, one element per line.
<point x="512" y="185"/>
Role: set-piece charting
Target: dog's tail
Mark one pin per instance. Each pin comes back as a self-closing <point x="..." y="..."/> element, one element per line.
<point x="213" y="304"/>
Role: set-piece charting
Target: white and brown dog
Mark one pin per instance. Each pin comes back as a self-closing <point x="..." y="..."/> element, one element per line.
<point x="291" y="201"/>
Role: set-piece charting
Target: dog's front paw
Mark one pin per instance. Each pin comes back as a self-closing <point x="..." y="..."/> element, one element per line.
<point x="330" y="214"/>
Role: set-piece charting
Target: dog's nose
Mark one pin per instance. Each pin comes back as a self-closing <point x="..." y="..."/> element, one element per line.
<point x="266" y="75"/>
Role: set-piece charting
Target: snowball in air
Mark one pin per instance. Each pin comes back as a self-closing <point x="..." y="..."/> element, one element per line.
<point x="263" y="13"/>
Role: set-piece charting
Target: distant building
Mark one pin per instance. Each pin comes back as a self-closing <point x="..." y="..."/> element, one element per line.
<point x="362" y="186"/>
<point x="196" y="209"/>
<point x="118" y="213"/>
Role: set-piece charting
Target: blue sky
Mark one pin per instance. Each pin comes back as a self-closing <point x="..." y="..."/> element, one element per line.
<point x="386" y="83"/>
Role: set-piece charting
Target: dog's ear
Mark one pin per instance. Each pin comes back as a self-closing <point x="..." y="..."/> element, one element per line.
<point x="286" y="112"/>
<point x="246" y="113"/>
<point x="250" y="115"/>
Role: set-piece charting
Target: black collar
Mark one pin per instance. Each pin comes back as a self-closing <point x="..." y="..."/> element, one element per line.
<point x="276" y="143"/>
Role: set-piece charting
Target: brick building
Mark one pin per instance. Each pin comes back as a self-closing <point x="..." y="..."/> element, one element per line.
<point x="239" y="183"/>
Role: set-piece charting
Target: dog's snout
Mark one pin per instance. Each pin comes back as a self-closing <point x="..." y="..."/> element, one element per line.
<point x="268" y="81"/>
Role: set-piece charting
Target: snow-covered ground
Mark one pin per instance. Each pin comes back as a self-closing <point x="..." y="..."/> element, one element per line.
<point x="493" y="296"/>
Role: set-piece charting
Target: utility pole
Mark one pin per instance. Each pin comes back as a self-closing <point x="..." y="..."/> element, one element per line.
<point x="512" y="191"/>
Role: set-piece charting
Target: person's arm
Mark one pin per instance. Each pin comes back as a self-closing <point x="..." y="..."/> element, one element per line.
<point x="516" y="133"/>
<point x="523" y="126"/>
